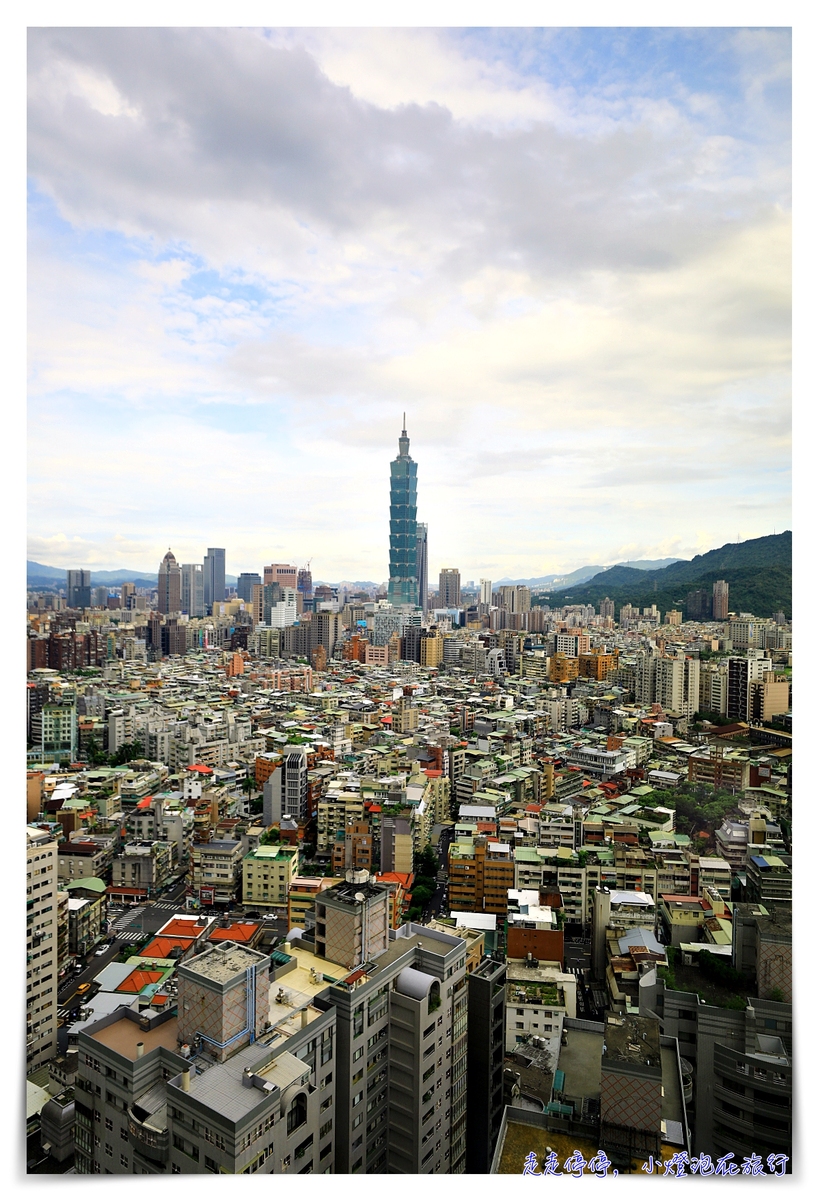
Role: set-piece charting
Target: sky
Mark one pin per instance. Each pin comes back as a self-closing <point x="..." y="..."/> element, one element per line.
<point x="564" y="253"/>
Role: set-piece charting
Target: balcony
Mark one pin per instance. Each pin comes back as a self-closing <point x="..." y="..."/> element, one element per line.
<point x="147" y="1137"/>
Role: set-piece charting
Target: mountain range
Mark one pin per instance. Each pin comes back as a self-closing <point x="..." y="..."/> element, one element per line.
<point x="759" y="572"/>
<point x="582" y="574"/>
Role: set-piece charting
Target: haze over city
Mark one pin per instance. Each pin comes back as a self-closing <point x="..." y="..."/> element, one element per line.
<point x="564" y="253"/>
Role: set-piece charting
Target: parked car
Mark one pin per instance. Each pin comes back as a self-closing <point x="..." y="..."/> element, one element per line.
<point x="83" y="988"/>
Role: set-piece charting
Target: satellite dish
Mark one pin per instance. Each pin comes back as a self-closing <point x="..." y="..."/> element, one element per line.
<point x="360" y="897"/>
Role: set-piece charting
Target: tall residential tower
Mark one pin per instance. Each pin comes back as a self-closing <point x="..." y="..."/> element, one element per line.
<point x="403" y="526"/>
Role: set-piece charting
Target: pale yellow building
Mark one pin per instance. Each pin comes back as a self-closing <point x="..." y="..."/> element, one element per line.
<point x="267" y="873"/>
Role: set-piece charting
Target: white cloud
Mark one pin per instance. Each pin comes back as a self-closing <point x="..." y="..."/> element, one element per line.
<point x="273" y="249"/>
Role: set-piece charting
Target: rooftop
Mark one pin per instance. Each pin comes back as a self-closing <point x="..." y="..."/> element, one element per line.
<point x="124" y="1035"/>
<point x="223" y="963"/>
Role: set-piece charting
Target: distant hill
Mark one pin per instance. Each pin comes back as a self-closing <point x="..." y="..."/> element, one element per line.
<point x="582" y="574"/>
<point x="40" y="576"/>
<point x="759" y="572"/>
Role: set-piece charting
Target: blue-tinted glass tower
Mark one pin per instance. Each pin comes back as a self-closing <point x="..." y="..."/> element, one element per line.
<point x="403" y="526"/>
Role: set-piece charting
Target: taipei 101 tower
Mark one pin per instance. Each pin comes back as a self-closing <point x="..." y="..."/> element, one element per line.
<point x="403" y="531"/>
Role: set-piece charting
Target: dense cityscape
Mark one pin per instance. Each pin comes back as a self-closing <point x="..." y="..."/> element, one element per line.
<point x="438" y="876"/>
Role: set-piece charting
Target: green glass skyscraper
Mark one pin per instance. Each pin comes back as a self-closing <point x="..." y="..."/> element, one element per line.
<point x="403" y="527"/>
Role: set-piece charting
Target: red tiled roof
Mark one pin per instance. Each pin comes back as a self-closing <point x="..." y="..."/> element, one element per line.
<point x="237" y="932"/>
<point x="201" y="769"/>
<point x="138" y="979"/>
<point x="161" y="947"/>
<point x="179" y="927"/>
<point x="144" y="803"/>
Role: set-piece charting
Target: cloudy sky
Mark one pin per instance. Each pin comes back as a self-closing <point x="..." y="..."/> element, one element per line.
<point x="565" y="254"/>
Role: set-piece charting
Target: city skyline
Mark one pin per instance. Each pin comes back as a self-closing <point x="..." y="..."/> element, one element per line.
<point x="590" y="338"/>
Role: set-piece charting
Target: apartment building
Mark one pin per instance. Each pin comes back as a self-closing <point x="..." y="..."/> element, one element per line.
<point x="41" y="947"/>
<point x="145" y="865"/>
<point x="480" y="875"/>
<point x="215" y="871"/>
<point x="267" y="873"/>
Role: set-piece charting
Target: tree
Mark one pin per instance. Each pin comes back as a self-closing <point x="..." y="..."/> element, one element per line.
<point x="126" y="753"/>
<point x="427" y="862"/>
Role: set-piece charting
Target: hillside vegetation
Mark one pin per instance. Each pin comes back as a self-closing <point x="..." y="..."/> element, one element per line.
<point x="758" y="571"/>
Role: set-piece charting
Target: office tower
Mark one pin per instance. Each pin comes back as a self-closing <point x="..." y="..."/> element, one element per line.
<point x="170" y="585"/>
<point x="192" y="598"/>
<point x="271" y="595"/>
<point x="213" y="578"/>
<point x="606" y="608"/>
<point x="403" y="533"/>
<point x="79" y="589"/>
<point x="41" y="948"/>
<point x="449" y="587"/>
<point x="283" y="574"/>
<point x="485" y="595"/>
<point x="423" y="565"/>
<point x="721" y="600"/>
<point x="244" y="588"/>
<point x="99" y="597"/>
<point x="698" y="605"/>
<point x="127" y="595"/>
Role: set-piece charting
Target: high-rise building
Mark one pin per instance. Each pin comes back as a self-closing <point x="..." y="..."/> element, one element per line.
<point x="449" y="587"/>
<point x="403" y="533"/>
<point x="192" y="598"/>
<point x="606" y="608"/>
<point x="78" y="586"/>
<point x="213" y="577"/>
<point x="127" y="595"/>
<point x="282" y="573"/>
<point x="305" y="583"/>
<point x="423" y="565"/>
<point x="721" y="600"/>
<point x="485" y="595"/>
<point x="41" y="948"/>
<point x="99" y="597"/>
<point x="244" y="588"/>
<point x="170" y="585"/>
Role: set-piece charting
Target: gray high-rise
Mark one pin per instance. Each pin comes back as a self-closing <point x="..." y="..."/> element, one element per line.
<point x="213" y="577"/>
<point x="79" y="589"/>
<point x="423" y="565"/>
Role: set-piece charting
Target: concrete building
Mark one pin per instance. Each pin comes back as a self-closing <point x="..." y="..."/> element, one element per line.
<point x="267" y="873"/>
<point x="423" y="565"/>
<point x="285" y="791"/>
<point x="448" y="588"/>
<point x="215" y="871"/>
<point x="41" y="947"/>
<point x="485" y="1062"/>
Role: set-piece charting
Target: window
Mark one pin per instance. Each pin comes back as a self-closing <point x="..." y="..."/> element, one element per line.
<point x="357" y="1121"/>
<point x="123" y="1133"/>
<point x="211" y="1165"/>
<point x="326" y="1081"/>
<point x="297" y="1114"/>
<point x="327" y="1150"/>
<point x="123" y="1158"/>
<point x="519" y="1025"/>
<point x="358" y="1021"/>
<point x="325" y="1128"/>
<point x="325" y="1104"/>
<point x="109" y="1123"/>
<point x="109" y="1150"/>
<point x="357" y="1098"/>
<point x="358" y="1054"/>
